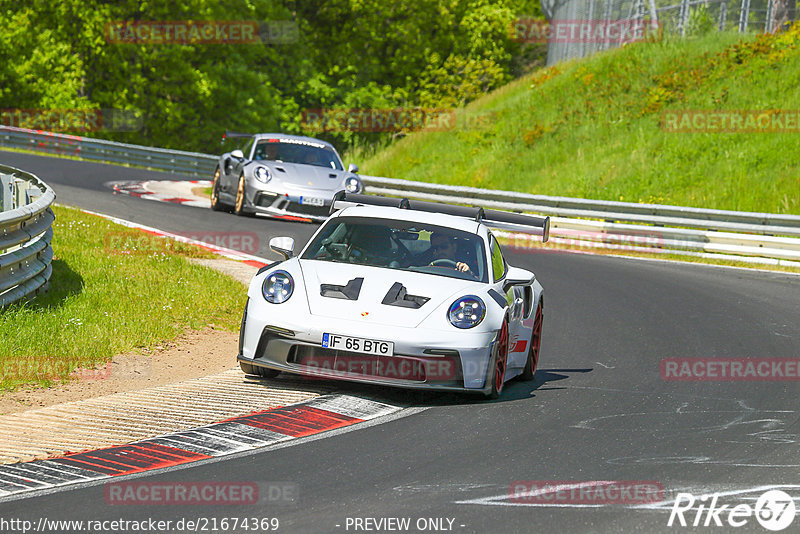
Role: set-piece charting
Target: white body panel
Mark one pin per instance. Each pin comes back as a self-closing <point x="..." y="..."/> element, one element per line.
<point x="270" y="331"/>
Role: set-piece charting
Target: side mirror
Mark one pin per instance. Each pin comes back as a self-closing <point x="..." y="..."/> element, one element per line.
<point x="518" y="277"/>
<point x="238" y="154"/>
<point x="282" y="245"/>
<point x="352" y="168"/>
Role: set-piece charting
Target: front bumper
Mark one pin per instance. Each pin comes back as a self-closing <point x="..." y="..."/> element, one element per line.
<point x="422" y="359"/>
<point x="284" y="205"/>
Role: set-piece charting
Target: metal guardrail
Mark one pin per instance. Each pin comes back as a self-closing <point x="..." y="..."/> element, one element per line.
<point x="656" y="227"/>
<point x="174" y="161"/>
<point x="25" y="235"/>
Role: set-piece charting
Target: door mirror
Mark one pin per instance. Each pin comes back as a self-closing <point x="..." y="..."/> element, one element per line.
<point x="352" y="168"/>
<point x="238" y="154"/>
<point x="282" y="245"/>
<point x="518" y="277"/>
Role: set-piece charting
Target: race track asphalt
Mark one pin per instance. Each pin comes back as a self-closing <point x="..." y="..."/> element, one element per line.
<point x="599" y="409"/>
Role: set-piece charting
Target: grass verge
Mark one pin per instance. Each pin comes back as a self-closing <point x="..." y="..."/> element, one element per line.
<point x="113" y="289"/>
<point x="592" y="128"/>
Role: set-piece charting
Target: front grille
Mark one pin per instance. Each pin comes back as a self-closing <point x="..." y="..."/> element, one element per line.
<point x="304" y="209"/>
<point x="265" y="199"/>
<point x="405" y="368"/>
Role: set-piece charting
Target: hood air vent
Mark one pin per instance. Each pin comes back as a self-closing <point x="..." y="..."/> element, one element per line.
<point x="347" y="292"/>
<point x="397" y="296"/>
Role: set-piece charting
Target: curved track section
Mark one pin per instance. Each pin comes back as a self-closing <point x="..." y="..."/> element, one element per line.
<point x="599" y="409"/>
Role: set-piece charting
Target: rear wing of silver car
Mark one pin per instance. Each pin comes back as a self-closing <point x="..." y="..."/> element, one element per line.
<point x="505" y="220"/>
<point x="233" y="135"/>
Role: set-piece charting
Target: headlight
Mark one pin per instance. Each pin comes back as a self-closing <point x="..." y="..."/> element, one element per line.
<point x="262" y="174"/>
<point x="277" y="287"/>
<point x="352" y="185"/>
<point x="466" y="312"/>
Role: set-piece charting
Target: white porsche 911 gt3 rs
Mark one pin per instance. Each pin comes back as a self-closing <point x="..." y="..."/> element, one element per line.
<point x="398" y="292"/>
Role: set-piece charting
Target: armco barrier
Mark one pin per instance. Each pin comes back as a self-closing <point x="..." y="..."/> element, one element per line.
<point x="25" y="234"/>
<point x="681" y="229"/>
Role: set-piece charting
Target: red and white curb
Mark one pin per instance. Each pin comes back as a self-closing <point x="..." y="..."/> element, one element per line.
<point x="244" y="433"/>
<point x="249" y="259"/>
<point x="173" y="191"/>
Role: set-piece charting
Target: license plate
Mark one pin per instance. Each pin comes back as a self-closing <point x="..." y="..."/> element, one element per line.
<point x="358" y="344"/>
<point x="312" y="201"/>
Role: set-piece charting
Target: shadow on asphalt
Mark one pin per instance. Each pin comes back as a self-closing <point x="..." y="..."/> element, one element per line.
<point x="514" y="390"/>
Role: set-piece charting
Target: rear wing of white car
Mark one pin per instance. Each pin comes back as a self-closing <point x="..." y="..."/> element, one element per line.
<point x="505" y="220"/>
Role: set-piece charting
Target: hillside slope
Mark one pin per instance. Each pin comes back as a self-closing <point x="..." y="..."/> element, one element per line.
<point x="593" y="128"/>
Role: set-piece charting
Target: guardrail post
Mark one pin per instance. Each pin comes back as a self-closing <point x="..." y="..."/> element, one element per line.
<point x="743" y="16"/>
<point x="32" y="194"/>
<point x="6" y="192"/>
<point x="19" y="192"/>
<point x="723" y="14"/>
<point x="683" y="17"/>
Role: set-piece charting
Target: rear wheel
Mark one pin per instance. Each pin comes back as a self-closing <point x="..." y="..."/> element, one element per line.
<point x="498" y="368"/>
<point x="216" y="204"/>
<point x="536" y="342"/>
<point x="258" y="371"/>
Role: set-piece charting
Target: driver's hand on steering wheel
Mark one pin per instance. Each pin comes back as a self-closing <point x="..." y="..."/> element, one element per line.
<point x="463" y="267"/>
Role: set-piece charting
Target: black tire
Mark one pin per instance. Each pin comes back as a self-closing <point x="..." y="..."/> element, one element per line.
<point x="497" y="370"/>
<point x="216" y="203"/>
<point x="263" y="372"/>
<point x="535" y="347"/>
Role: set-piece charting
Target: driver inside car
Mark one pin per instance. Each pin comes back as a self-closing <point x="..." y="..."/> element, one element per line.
<point x="444" y="248"/>
<point x="372" y="245"/>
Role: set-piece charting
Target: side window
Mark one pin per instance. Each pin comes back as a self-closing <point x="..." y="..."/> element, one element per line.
<point x="248" y="147"/>
<point x="498" y="262"/>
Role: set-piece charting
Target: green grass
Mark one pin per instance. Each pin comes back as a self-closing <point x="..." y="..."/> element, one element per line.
<point x="591" y="129"/>
<point x="113" y="289"/>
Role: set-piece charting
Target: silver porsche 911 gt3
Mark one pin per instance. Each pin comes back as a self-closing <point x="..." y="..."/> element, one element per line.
<point x="283" y="176"/>
<point x="400" y="293"/>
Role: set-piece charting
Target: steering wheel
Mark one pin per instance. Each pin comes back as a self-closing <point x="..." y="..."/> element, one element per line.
<point x="335" y="250"/>
<point x="444" y="262"/>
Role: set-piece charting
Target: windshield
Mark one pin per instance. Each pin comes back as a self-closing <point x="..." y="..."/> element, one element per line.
<point x="401" y="245"/>
<point x="297" y="151"/>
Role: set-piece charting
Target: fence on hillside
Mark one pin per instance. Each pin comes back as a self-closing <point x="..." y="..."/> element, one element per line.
<point x="611" y="23"/>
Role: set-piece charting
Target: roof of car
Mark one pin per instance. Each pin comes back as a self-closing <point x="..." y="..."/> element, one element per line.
<point x="302" y="138"/>
<point x="438" y="219"/>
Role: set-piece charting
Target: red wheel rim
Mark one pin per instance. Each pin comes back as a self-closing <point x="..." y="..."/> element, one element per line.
<point x="536" y="338"/>
<point x="502" y="354"/>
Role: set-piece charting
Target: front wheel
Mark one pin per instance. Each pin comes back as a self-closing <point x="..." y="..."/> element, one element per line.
<point x="498" y="369"/>
<point x="239" y="207"/>
<point x="263" y="372"/>
<point x="536" y="343"/>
